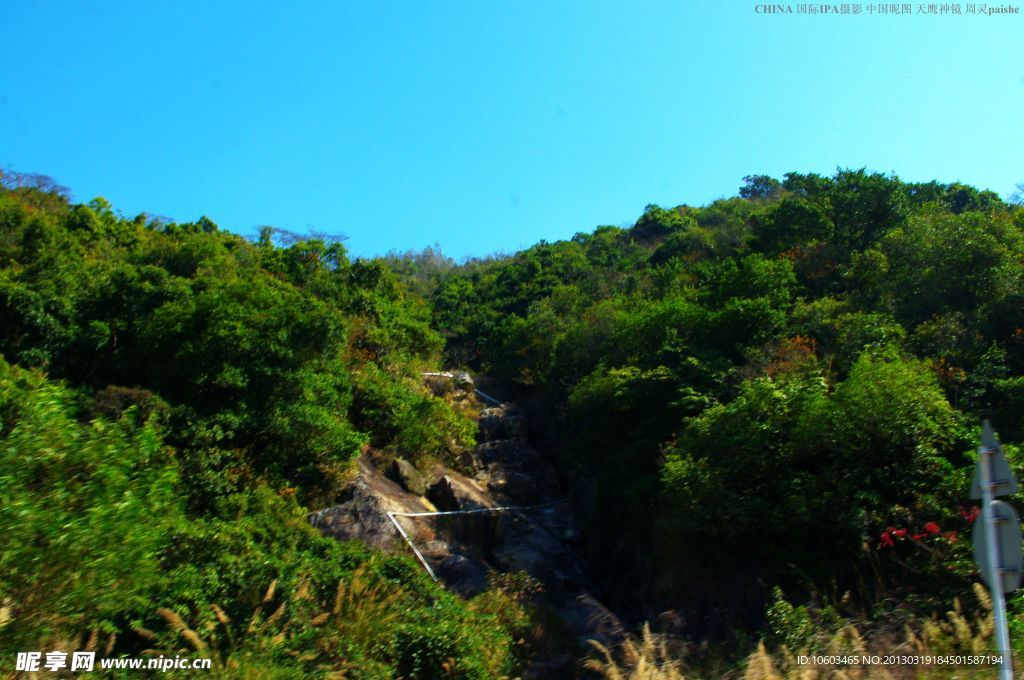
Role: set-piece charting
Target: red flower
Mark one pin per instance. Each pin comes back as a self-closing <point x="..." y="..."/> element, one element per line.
<point x="918" y="537"/>
<point x="898" y="533"/>
<point x="887" y="540"/>
<point x="951" y="536"/>
<point x="970" y="515"/>
<point x="932" y="528"/>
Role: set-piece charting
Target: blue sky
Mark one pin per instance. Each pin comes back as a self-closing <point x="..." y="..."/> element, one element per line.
<point x="487" y="126"/>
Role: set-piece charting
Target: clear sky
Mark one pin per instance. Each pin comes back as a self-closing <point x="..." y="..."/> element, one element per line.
<point x="487" y="125"/>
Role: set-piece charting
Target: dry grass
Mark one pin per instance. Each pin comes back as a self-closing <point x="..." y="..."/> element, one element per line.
<point x="362" y="606"/>
<point x="648" y="658"/>
<point x="651" y="657"/>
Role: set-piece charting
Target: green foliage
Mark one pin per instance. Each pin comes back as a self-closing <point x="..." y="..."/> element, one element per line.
<point x="801" y="627"/>
<point x="752" y="392"/>
<point x="790" y="459"/>
<point x="212" y="389"/>
<point x="86" y="508"/>
<point x="760" y="187"/>
<point x="656" y="222"/>
<point x="406" y="420"/>
<point x="790" y="223"/>
<point x="253" y="347"/>
<point x="775" y="389"/>
<point x="941" y="263"/>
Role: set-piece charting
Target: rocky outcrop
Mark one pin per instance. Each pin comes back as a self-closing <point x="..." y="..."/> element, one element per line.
<point x="507" y="463"/>
<point x="454" y="491"/>
<point x="405" y="474"/>
<point x="362" y="514"/>
<point x="508" y="516"/>
<point x="458" y="387"/>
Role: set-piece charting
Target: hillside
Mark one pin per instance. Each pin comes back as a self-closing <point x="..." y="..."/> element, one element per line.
<point x="762" y="412"/>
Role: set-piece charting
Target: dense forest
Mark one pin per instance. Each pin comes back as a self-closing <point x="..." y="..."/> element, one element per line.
<point x="764" y="411"/>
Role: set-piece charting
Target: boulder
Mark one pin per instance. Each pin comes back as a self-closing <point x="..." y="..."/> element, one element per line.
<point x="442" y="495"/>
<point x="522" y="543"/>
<point x="453" y="491"/>
<point x="517" y="486"/>
<point x="405" y="473"/>
<point x="465" y="576"/>
<point x="361" y="517"/>
<point x="501" y="422"/>
<point x="363" y="507"/>
<point x="508" y="452"/>
<point x="588" y="619"/>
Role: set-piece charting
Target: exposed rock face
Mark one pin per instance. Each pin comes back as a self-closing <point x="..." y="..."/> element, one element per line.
<point x="511" y="468"/>
<point x="405" y="474"/>
<point x="534" y="536"/>
<point x="463" y="575"/>
<point x="363" y="515"/>
<point x="458" y="388"/>
<point x="453" y="491"/>
<point x="501" y="422"/>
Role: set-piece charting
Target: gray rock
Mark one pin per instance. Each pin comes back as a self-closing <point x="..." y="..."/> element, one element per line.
<point x="501" y="422"/>
<point x="454" y="491"/>
<point x="465" y="576"/>
<point x="588" y="619"/>
<point x="509" y="452"/>
<point x="362" y="512"/>
<point x="463" y="548"/>
<point x="406" y="474"/>
<point x="442" y="495"/>
<point x="517" y="486"/>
